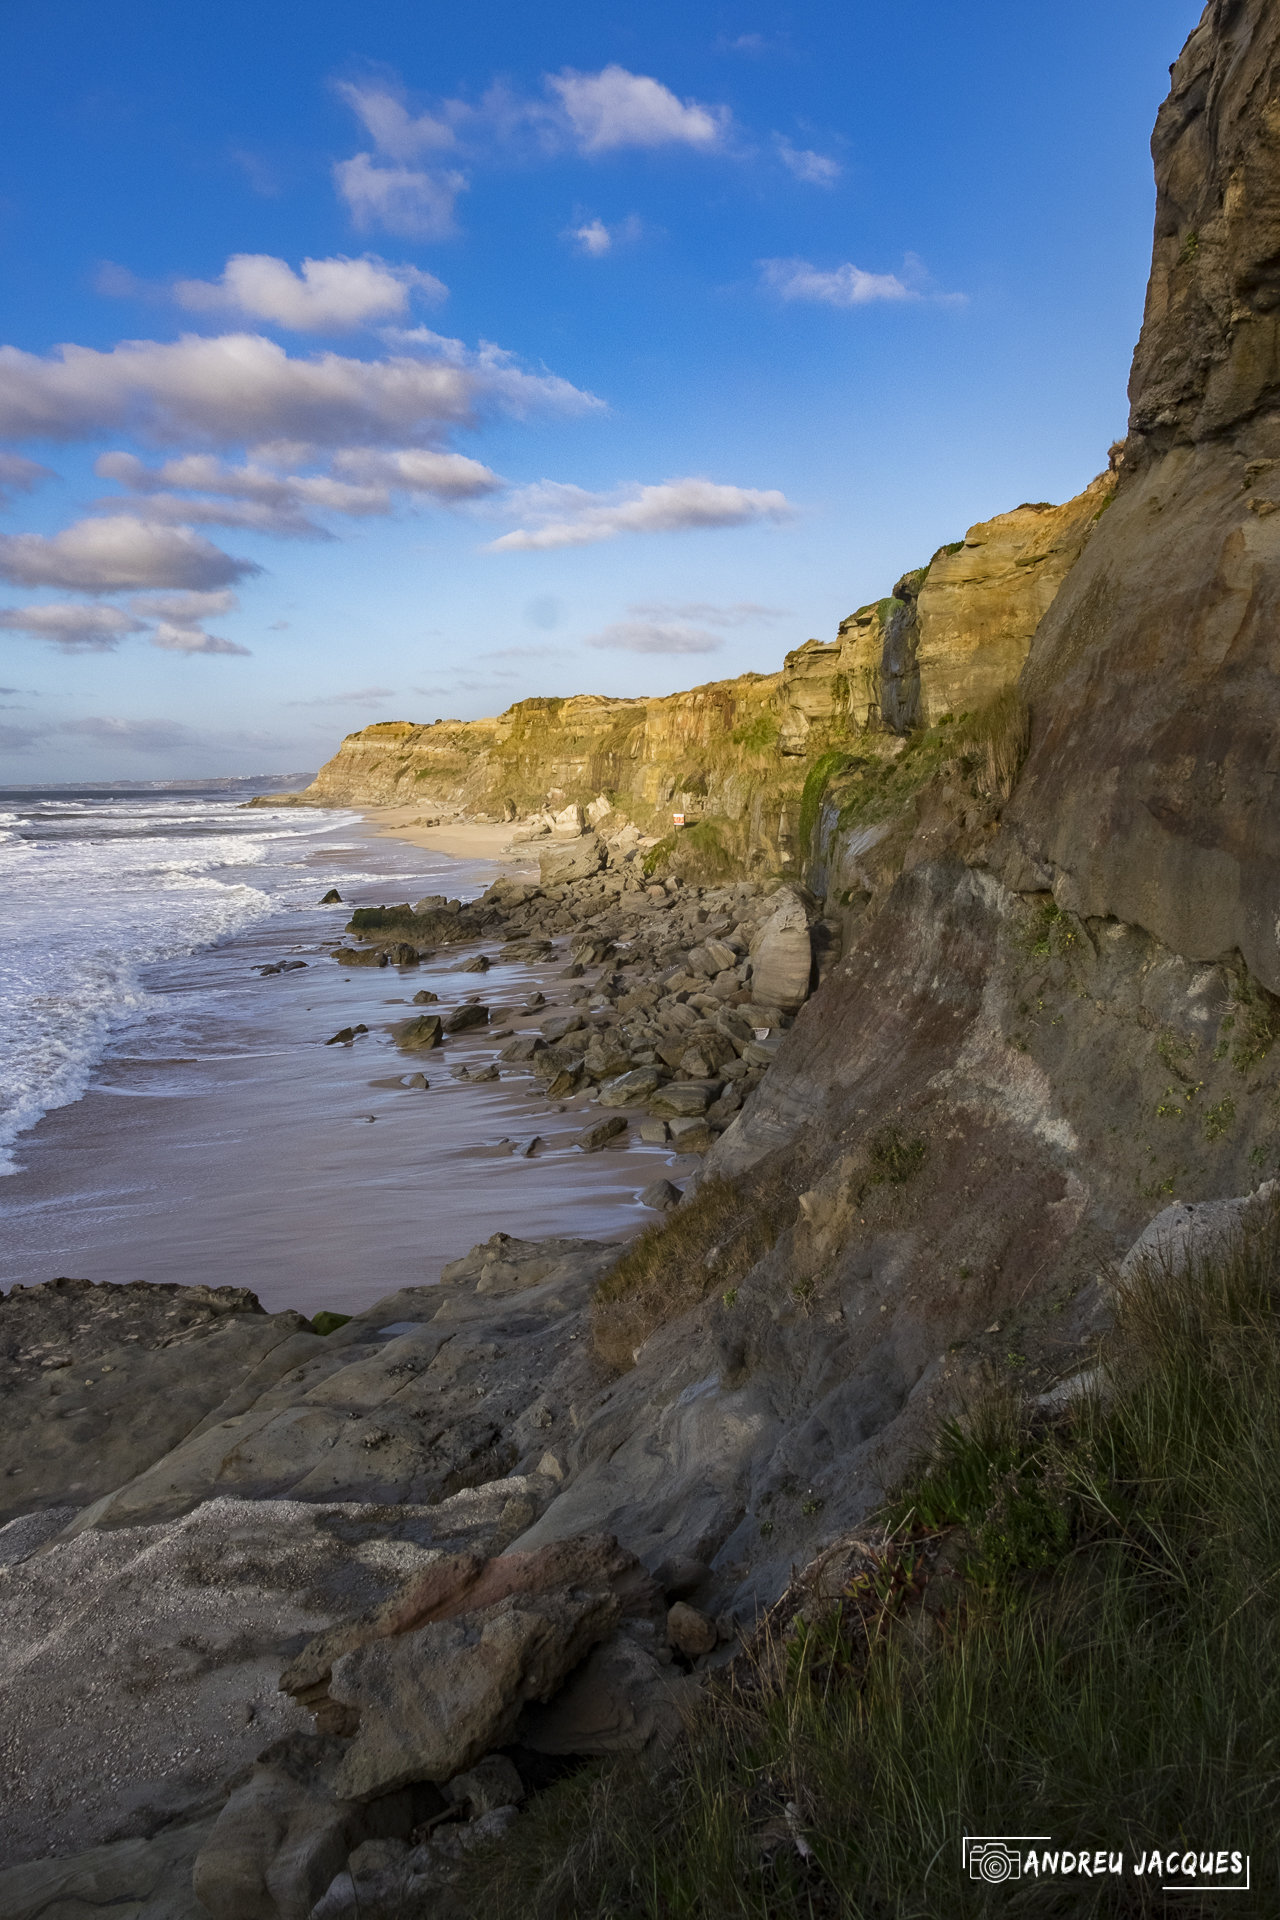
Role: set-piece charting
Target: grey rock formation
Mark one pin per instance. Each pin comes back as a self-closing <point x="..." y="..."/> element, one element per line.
<point x="782" y="955"/>
<point x="559" y="864"/>
<point x="98" y="1382"/>
<point x="433" y="1702"/>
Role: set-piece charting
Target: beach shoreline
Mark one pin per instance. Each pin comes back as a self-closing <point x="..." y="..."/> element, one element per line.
<point x="460" y="838"/>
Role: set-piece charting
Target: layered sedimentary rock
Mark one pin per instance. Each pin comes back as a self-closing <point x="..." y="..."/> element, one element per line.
<point x="951" y="636"/>
<point x="1150" y="790"/>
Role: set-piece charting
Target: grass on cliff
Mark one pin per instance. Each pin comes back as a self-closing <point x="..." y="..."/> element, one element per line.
<point x="705" y="1246"/>
<point x="986" y="748"/>
<point x="1073" y="1629"/>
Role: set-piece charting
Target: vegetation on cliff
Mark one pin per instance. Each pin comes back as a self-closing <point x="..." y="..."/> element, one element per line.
<point x="1070" y="1625"/>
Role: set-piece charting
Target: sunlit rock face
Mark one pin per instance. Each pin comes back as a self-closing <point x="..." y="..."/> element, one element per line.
<point x="1149" y="794"/>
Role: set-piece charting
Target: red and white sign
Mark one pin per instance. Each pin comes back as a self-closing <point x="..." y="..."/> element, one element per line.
<point x="677" y="819"/>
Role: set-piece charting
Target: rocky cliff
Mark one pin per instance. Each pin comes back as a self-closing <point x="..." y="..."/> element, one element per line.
<point x="1149" y="794"/>
<point x="737" y="753"/>
<point x="1055" y="1020"/>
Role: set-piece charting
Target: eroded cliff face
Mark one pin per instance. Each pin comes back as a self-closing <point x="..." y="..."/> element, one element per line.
<point x="1150" y="789"/>
<point x="738" y="752"/>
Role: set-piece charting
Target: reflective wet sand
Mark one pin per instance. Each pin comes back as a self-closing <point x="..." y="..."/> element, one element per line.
<point x="264" y="1158"/>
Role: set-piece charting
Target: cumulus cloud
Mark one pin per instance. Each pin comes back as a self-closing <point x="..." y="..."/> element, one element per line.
<point x="402" y="200"/>
<point x="392" y="128"/>
<point x="649" y="636"/>
<point x="405" y="186"/>
<point x="595" y="239"/>
<point x="845" y="286"/>
<point x="328" y="296"/>
<point x="615" y="108"/>
<point x="247" y="496"/>
<point x="117" y="553"/>
<point x="18" y="475"/>
<point x="236" y="388"/>
<point x="815" y="169"/>
<point x="200" y="489"/>
<point x="74" y="629"/>
<point x="187" y="639"/>
<point x="448" y="476"/>
<point x="572" y="517"/>
<point x="184" y="609"/>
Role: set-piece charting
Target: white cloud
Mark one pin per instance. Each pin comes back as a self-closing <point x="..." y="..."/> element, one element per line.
<point x="255" y="497"/>
<point x="647" y="636"/>
<point x="242" y="388"/>
<point x="251" y="496"/>
<point x="18" y="475"/>
<point x="185" y="639"/>
<point x="572" y="517"/>
<point x="74" y="629"/>
<point x="184" y="609"/>
<point x="846" y="286"/>
<point x="448" y="476"/>
<point x="111" y="555"/>
<point x="401" y="200"/>
<point x="329" y="296"/>
<point x="615" y="108"/>
<point x="392" y="128"/>
<point x="815" y="169"/>
<point x="595" y="239"/>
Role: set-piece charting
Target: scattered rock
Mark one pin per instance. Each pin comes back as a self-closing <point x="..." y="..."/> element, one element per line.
<point x="420" y="1034"/>
<point x="690" y="1136"/>
<point x="479" y="964"/>
<point x="360" y="956"/>
<point x="332" y="899"/>
<point x="346" y="1035"/>
<point x="630" y="1089"/>
<point x="653" y="1132"/>
<point x="432" y="1702"/>
<point x="425" y="998"/>
<point x="661" y="1195"/>
<point x="558" y="865"/>
<point x="603" y="1131"/>
<point x="689" y="1631"/>
<point x="464" y="1017"/>
<point x="681" y="1099"/>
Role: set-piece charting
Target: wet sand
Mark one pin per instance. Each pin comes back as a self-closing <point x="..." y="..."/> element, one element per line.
<point x="264" y="1158"/>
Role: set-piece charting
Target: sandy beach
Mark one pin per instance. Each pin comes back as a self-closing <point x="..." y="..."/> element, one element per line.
<point x="460" y="839"/>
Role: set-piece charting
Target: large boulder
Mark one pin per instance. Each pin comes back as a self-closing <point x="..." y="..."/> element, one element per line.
<point x="782" y="954"/>
<point x="420" y="1034"/>
<point x="630" y="1089"/>
<point x="577" y="860"/>
<point x="431" y="1703"/>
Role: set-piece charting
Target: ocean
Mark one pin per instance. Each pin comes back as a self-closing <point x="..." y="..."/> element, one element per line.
<point x="168" y="1112"/>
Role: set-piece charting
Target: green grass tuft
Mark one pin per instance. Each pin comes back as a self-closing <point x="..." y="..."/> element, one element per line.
<point x="1070" y="1627"/>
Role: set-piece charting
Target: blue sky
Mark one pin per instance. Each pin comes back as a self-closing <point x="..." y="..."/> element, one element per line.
<point x="377" y="363"/>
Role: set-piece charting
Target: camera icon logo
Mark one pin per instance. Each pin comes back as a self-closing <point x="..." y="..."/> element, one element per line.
<point x="994" y="1862"/>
